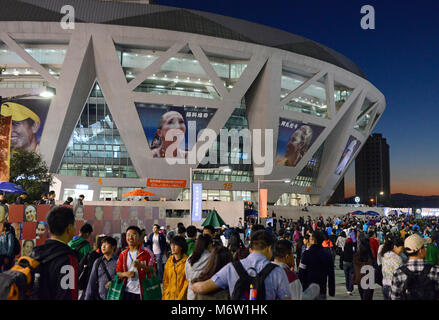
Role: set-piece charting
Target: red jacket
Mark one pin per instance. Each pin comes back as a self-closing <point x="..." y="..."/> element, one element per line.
<point x="144" y="257"/>
<point x="374" y="245"/>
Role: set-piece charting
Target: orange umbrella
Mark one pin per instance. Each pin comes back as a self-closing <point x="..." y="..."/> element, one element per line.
<point x="138" y="192"/>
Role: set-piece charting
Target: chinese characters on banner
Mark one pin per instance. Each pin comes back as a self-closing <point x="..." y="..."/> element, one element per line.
<point x="165" y="183"/>
<point x="5" y="147"/>
<point x="197" y="202"/>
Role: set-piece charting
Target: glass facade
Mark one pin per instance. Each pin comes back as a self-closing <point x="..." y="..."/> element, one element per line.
<point x="311" y="101"/>
<point x="48" y="56"/>
<point x="181" y="75"/>
<point x="235" y="157"/>
<point x="341" y="94"/>
<point x="362" y="124"/>
<point x="308" y="176"/>
<point x="160" y="85"/>
<point x="366" y="105"/>
<point x="221" y="195"/>
<point x="8" y="84"/>
<point x="19" y="74"/>
<point x="365" y="116"/>
<point x="293" y="199"/>
<point x="96" y="148"/>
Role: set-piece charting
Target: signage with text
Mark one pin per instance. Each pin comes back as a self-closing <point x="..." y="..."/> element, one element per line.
<point x="197" y="202"/>
<point x="165" y="183"/>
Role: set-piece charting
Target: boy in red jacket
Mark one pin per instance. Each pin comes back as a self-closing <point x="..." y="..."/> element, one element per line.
<point x="134" y="264"/>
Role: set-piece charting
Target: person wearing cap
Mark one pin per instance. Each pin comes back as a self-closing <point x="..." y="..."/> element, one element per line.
<point x="25" y="125"/>
<point x="416" y="249"/>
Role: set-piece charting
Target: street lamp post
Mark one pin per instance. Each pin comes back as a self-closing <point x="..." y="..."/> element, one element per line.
<point x="259" y="188"/>
<point x="191" y="171"/>
<point x="376" y="197"/>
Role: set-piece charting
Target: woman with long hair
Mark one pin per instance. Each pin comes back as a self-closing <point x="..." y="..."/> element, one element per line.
<point x="297" y="146"/>
<point x="197" y="261"/>
<point x="235" y="243"/>
<point x="391" y="260"/>
<point x="362" y="258"/>
<point x="171" y="120"/>
<point x="219" y="257"/>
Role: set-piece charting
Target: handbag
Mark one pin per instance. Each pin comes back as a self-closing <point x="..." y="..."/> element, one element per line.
<point x="116" y="290"/>
<point x="151" y="287"/>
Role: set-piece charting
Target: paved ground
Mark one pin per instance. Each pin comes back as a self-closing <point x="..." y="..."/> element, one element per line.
<point x="340" y="289"/>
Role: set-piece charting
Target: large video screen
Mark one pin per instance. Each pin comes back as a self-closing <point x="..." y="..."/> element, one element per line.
<point x="294" y="140"/>
<point x="157" y="120"/>
<point x="28" y="119"/>
<point x="349" y="151"/>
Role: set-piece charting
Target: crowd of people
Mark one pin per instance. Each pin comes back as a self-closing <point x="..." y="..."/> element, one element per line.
<point x="282" y="260"/>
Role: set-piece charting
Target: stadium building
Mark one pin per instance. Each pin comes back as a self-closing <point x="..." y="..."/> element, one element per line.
<point x="130" y="69"/>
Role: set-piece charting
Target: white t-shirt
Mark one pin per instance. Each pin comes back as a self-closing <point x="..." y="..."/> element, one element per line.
<point x="133" y="284"/>
<point x="156" y="244"/>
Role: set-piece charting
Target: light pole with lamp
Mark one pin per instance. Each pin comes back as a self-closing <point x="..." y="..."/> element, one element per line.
<point x="191" y="171"/>
<point x="259" y="188"/>
<point x="376" y="197"/>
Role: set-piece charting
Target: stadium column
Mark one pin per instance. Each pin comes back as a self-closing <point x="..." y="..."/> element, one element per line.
<point x="77" y="77"/>
<point x="336" y="143"/>
<point x="262" y="112"/>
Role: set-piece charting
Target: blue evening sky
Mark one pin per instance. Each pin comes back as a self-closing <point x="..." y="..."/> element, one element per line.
<point x="400" y="57"/>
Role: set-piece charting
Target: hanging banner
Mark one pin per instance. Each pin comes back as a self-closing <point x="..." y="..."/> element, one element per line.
<point x="197" y="202"/>
<point x="263" y="194"/>
<point x="165" y="183"/>
<point x="5" y="147"/>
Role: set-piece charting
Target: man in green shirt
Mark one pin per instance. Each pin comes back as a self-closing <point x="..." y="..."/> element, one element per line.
<point x="191" y="233"/>
<point x="80" y="244"/>
<point x="432" y="252"/>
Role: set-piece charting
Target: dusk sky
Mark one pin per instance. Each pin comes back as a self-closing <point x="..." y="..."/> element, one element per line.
<point x="400" y="57"/>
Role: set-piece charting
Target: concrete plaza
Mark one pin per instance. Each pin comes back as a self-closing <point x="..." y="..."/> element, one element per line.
<point x="340" y="289"/>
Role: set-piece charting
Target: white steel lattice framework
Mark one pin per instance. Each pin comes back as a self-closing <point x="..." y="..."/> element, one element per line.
<point x="92" y="56"/>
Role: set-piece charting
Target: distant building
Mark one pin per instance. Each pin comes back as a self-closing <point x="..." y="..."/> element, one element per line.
<point x="372" y="171"/>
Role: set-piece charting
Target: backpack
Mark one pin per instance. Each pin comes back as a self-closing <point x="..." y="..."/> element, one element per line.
<point x="85" y="267"/>
<point x="418" y="285"/>
<point x="78" y="248"/>
<point x="19" y="282"/>
<point x="242" y="286"/>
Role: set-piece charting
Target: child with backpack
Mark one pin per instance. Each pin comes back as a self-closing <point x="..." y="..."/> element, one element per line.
<point x="253" y="278"/>
<point x="415" y="280"/>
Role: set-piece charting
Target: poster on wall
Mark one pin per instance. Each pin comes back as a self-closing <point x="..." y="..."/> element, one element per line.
<point x="294" y="140"/>
<point x="349" y="151"/>
<point x="31" y="228"/>
<point x="157" y="120"/>
<point x="28" y="119"/>
<point x="5" y="147"/>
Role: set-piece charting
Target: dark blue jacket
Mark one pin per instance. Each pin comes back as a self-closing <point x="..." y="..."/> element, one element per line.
<point x="316" y="266"/>
<point x="162" y="243"/>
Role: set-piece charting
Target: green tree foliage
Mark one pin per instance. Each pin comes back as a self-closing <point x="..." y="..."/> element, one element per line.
<point x="30" y="171"/>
